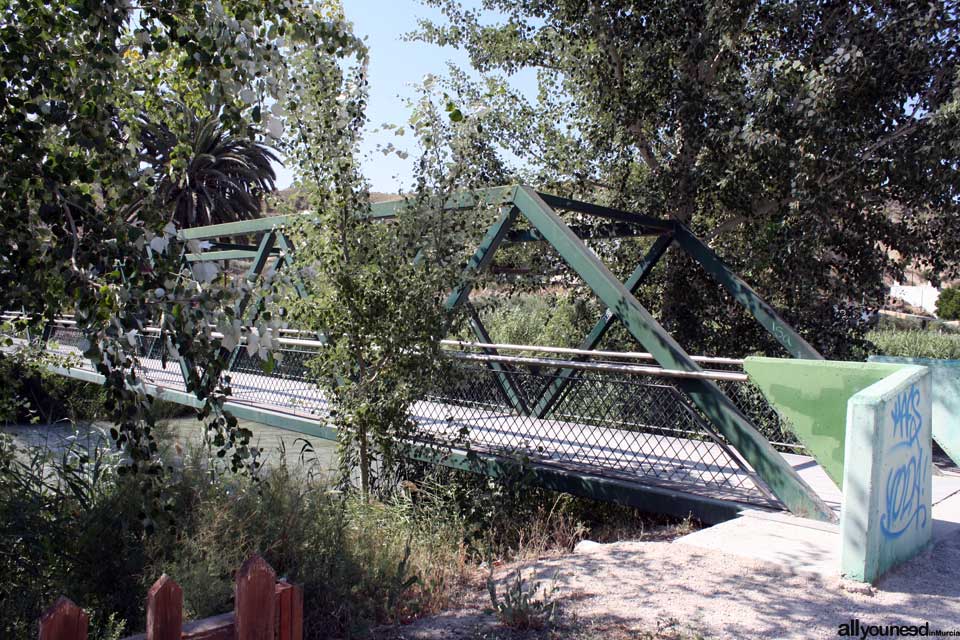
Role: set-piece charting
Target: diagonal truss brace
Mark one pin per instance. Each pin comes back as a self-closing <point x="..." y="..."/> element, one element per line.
<point x="744" y="295"/>
<point x="459" y="296"/>
<point x="553" y="392"/>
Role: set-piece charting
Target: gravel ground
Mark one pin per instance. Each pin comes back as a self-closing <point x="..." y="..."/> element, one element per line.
<point x="663" y="590"/>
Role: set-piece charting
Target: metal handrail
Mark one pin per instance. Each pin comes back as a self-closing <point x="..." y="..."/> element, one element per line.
<point x="633" y="355"/>
<point x="606" y="367"/>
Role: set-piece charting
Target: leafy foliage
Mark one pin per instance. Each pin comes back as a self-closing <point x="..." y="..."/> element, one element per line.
<point x="803" y="140"/>
<point x="948" y="304"/>
<point x="542" y="318"/>
<point x="69" y="526"/>
<point x="376" y="289"/>
<point x="65" y="528"/>
<point x="520" y="607"/>
<point x="93" y="89"/>
<point x="225" y="178"/>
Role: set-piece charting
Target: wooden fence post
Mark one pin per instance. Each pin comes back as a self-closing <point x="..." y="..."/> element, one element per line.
<point x="164" y="610"/>
<point x="255" y="600"/>
<point x="63" y="621"/>
<point x="264" y="609"/>
<point x="289" y="611"/>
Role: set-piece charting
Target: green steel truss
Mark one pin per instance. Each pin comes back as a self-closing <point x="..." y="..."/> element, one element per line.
<point x="545" y="225"/>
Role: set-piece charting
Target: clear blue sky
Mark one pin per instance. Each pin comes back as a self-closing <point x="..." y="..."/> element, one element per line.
<point x="394" y="65"/>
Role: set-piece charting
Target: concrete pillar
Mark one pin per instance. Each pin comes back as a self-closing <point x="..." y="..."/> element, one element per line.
<point x="886" y="516"/>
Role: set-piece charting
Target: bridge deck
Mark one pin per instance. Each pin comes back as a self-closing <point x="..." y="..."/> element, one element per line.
<point x="697" y="467"/>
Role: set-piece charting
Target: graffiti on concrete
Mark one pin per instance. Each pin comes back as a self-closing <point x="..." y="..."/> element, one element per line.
<point x="908" y="457"/>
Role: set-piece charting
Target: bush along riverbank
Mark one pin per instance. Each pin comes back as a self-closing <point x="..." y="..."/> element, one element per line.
<point x="71" y="524"/>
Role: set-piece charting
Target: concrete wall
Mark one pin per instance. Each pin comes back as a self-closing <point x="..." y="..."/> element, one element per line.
<point x="812" y="395"/>
<point x="946" y="400"/>
<point x="886" y="513"/>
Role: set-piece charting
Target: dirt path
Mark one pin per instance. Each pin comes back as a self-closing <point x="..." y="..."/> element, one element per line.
<point x="665" y="590"/>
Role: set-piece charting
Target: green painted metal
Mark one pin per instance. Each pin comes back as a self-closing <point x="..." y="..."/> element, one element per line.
<point x="554" y="391"/>
<point x="260" y="259"/>
<point x="483" y="255"/>
<point x="548" y="226"/>
<point x="813" y="395"/>
<point x="780" y="477"/>
<point x="231" y="254"/>
<point x="490" y="196"/>
<point x="216" y="245"/>
<point x="745" y="296"/>
<point x="504" y="374"/>
<point x="494" y="196"/>
<point x="479" y="261"/>
<point x="243" y="227"/>
<point x="646" y="497"/>
<point x="286" y="258"/>
<point x="587" y="232"/>
<point x="649" y="222"/>
<point x="945" y="376"/>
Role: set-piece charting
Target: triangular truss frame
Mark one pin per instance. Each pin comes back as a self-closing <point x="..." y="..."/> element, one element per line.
<point x="539" y="210"/>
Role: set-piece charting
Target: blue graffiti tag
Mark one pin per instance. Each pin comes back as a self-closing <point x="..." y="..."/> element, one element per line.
<point x="903" y="501"/>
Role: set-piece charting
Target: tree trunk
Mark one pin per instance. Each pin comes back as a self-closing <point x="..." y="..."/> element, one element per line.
<point x="364" y="452"/>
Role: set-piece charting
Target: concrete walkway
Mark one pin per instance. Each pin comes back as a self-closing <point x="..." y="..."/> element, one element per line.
<point x="798" y="544"/>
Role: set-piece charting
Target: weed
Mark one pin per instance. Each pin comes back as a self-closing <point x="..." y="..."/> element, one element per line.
<point x="521" y="608"/>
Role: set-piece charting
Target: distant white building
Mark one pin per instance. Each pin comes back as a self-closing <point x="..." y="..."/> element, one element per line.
<point x="922" y="296"/>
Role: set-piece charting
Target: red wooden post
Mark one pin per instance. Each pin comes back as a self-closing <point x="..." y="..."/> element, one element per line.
<point x="63" y="621"/>
<point x="255" y="600"/>
<point x="164" y="610"/>
<point x="289" y="611"/>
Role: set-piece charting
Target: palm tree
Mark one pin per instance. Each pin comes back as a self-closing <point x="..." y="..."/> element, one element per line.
<point x="225" y="179"/>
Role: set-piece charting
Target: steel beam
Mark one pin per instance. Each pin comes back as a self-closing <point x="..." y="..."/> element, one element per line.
<point x="286" y="258"/>
<point x="260" y="258"/>
<point x="745" y="296"/>
<point x="217" y="245"/>
<point x="490" y="196"/>
<point x="483" y="255"/>
<point x="503" y="372"/>
<point x="780" y="477"/>
<point x="566" y="204"/>
<point x="478" y="262"/>
<point x="642" y="496"/>
<point x="588" y="232"/>
<point x="231" y="254"/>
<point x="243" y="227"/>
<point x="554" y="391"/>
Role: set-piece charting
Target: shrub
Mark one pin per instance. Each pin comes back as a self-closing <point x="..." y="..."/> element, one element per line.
<point x="67" y="526"/>
<point x="360" y="563"/>
<point x="70" y="525"/>
<point x="550" y="319"/>
<point x="520" y="607"/>
<point x="916" y="344"/>
<point x="32" y="394"/>
<point x="948" y="304"/>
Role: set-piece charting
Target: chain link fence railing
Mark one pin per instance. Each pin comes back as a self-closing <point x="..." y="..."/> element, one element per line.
<point x="612" y="419"/>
